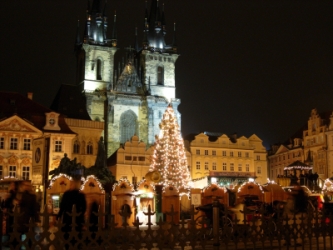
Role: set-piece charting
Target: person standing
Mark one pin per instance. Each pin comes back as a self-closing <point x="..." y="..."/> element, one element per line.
<point x="125" y="212"/>
<point x="72" y="197"/>
<point x="26" y="201"/>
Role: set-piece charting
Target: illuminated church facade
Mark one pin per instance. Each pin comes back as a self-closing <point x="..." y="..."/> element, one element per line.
<point x="131" y="97"/>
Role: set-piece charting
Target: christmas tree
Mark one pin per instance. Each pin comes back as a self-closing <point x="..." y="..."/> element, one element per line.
<point x="169" y="157"/>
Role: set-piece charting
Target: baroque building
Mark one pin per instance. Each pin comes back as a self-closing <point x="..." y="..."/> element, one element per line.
<point x="312" y="145"/>
<point x="34" y="138"/>
<point x="130" y="98"/>
<point x="228" y="159"/>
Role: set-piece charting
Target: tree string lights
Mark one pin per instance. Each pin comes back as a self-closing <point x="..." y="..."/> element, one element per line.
<point x="169" y="157"/>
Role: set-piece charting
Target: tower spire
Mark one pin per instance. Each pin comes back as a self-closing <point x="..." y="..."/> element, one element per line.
<point x="174" y="42"/>
<point x="114" y="31"/>
<point x="136" y="45"/>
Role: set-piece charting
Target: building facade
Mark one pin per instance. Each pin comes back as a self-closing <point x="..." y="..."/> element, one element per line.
<point x="132" y="96"/>
<point x="33" y="139"/>
<point x="311" y="145"/>
<point x="229" y="160"/>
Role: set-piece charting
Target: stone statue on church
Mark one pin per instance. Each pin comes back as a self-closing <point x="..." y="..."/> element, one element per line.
<point x="101" y="155"/>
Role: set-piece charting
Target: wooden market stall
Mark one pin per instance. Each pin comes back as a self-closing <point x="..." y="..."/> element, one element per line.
<point x="170" y="200"/>
<point x="122" y="192"/>
<point x="250" y="191"/>
<point x="95" y="196"/>
<point x="144" y="199"/>
<point x="274" y="192"/>
<point x="213" y="192"/>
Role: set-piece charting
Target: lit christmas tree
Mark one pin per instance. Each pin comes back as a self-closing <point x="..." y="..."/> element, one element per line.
<point x="169" y="157"/>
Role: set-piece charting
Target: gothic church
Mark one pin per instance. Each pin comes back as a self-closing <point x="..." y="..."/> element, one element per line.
<point x="131" y="97"/>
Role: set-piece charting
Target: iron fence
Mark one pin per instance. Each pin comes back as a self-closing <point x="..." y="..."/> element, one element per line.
<point x="251" y="230"/>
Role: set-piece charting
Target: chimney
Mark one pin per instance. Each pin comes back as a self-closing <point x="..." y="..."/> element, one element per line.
<point x="29" y="95"/>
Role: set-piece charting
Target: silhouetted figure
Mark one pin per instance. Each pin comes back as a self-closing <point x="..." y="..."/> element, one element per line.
<point x="9" y="206"/>
<point x="70" y="198"/>
<point x="315" y="179"/>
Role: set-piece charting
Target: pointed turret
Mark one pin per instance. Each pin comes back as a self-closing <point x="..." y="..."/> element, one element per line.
<point x="174" y="41"/>
<point x="114" y="31"/>
<point x="163" y="22"/>
<point x="105" y="23"/>
<point x="78" y="38"/>
<point x="136" y="44"/>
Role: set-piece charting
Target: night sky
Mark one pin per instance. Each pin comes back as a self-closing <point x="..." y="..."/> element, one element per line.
<point x="245" y="67"/>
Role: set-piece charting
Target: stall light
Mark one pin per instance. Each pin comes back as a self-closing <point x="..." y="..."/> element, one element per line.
<point x="150" y="195"/>
<point x="251" y="180"/>
<point x="55" y="197"/>
<point x="214" y="180"/>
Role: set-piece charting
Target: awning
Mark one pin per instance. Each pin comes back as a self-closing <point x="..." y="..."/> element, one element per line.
<point x="298" y="165"/>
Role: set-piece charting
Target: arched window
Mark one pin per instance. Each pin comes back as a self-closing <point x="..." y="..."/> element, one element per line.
<point x="76" y="147"/>
<point x="99" y="69"/>
<point x="160" y="75"/>
<point x="90" y="148"/>
<point x="128" y="125"/>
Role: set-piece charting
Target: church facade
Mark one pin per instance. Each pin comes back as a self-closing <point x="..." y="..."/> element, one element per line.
<point x="130" y="98"/>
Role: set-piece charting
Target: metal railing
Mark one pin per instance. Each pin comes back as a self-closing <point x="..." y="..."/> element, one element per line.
<point x="224" y="230"/>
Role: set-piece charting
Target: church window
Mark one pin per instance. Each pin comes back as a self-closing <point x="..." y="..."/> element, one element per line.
<point x="198" y="165"/>
<point x="206" y="166"/>
<point x="76" y="147"/>
<point x="160" y="75"/>
<point x="232" y="167"/>
<point x="58" y="146"/>
<point x="12" y="171"/>
<point x="99" y="69"/>
<point x="90" y="148"/>
<point x="13" y="143"/>
<point x="128" y="126"/>
<point x="2" y="143"/>
<point x="26" y="144"/>
<point x="25" y="172"/>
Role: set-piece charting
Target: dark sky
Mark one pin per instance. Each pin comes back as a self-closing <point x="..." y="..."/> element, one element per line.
<point x="250" y="67"/>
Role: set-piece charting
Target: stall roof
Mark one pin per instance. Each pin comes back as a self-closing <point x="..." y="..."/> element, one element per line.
<point x="298" y="165"/>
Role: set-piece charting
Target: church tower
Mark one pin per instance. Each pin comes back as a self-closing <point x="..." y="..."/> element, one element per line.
<point x="131" y="97"/>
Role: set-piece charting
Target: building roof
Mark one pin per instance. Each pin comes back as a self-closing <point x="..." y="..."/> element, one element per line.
<point x="70" y="101"/>
<point x="13" y="103"/>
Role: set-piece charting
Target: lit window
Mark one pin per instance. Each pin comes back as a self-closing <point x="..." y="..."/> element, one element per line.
<point x="213" y="152"/>
<point x="198" y="165"/>
<point x="13" y="143"/>
<point x="197" y="151"/>
<point x="25" y="172"/>
<point x="239" y="154"/>
<point x="12" y="171"/>
<point x="259" y="170"/>
<point x="214" y="166"/>
<point x="2" y="143"/>
<point x="224" y="166"/>
<point x="247" y="168"/>
<point x="206" y="166"/>
<point x="58" y="146"/>
<point x="240" y="167"/>
<point x="206" y="152"/>
<point x="26" y="144"/>
<point x="89" y="148"/>
<point x="232" y="168"/>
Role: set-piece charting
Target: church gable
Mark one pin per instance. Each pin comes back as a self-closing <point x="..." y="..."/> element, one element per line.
<point x="282" y="149"/>
<point x="128" y="81"/>
<point x="17" y="124"/>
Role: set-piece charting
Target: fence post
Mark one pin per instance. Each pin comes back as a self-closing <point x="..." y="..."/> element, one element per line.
<point x="216" y="225"/>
